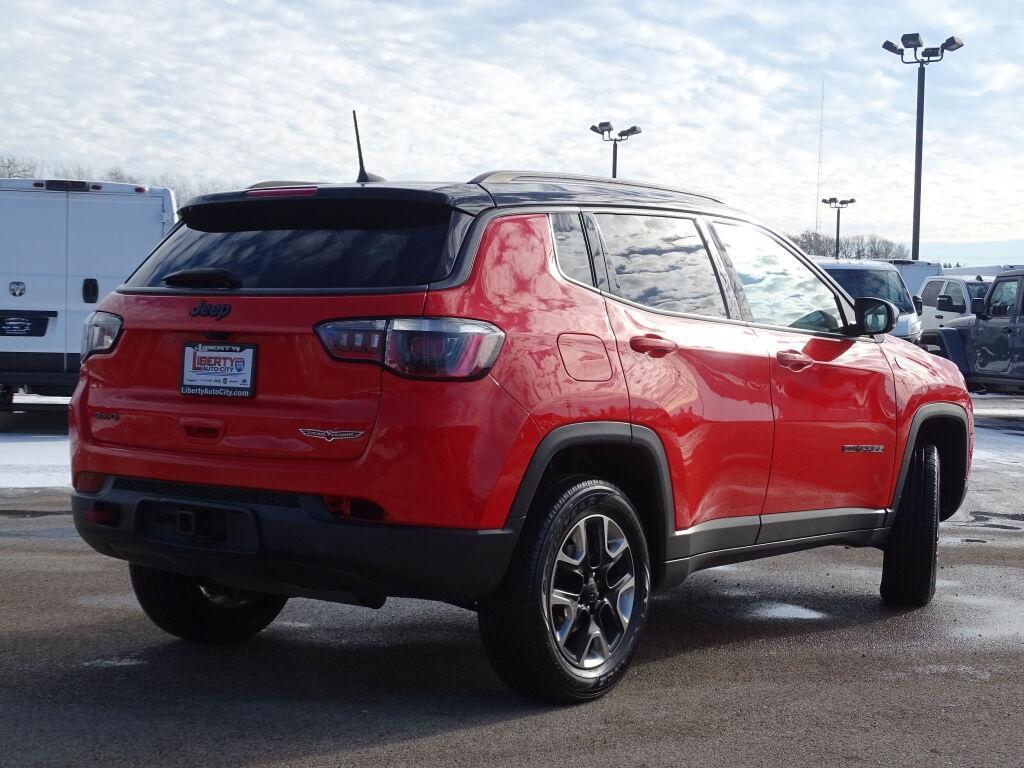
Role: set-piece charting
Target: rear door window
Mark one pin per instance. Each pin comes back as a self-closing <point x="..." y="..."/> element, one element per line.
<point x="325" y="244"/>
<point x="571" y="247"/>
<point x="661" y="263"/>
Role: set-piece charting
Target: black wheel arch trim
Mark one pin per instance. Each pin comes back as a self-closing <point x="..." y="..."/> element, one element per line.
<point x="922" y="415"/>
<point x="618" y="433"/>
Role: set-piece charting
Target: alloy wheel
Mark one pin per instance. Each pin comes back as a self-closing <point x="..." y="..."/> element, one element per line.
<point x="590" y="597"/>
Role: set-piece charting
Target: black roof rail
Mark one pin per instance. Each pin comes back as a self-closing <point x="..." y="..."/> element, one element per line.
<point x="269" y="184"/>
<point x="508" y="177"/>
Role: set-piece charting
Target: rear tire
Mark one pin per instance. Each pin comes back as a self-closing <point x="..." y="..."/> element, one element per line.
<point x="909" y="564"/>
<point x="200" y="610"/>
<point x="567" y="618"/>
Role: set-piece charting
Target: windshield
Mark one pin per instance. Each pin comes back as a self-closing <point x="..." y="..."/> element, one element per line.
<point x="977" y="290"/>
<point x="310" y="244"/>
<point x="874" y="283"/>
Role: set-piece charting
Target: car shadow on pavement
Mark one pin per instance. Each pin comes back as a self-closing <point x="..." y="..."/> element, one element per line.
<point x="333" y="680"/>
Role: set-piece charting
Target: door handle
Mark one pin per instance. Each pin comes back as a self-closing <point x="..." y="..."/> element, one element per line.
<point x="790" y="358"/>
<point x="940" y="317"/>
<point x="655" y="346"/>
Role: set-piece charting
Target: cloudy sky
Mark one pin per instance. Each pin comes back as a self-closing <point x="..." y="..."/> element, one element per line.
<point x="728" y="95"/>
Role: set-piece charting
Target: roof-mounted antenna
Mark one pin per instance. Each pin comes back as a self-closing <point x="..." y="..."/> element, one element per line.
<point x="363" y="175"/>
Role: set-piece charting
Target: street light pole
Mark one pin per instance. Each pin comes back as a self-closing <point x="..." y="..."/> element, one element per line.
<point x="913" y="42"/>
<point x="915" y="250"/>
<point x="839" y="212"/>
<point x="835" y="202"/>
<point x="604" y="130"/>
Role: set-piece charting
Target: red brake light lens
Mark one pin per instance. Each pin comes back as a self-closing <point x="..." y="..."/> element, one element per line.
<point x="282" y="192"/>
<point x="89" y="482"/>
<point x="417" y="347"/>
<point x="442" y="347"/>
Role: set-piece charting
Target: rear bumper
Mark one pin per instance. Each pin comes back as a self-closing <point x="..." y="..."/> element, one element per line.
<point x="289" y="544"/>
<point x="38" y="368"/>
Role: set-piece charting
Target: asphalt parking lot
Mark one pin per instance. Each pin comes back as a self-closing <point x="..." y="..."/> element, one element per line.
<point x="790" y="661"/>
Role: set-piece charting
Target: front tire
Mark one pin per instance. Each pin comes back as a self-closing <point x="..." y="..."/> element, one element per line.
<point x="566" y="621"/>
<point x="909" y="563"/>
<point x="201" y="610"/>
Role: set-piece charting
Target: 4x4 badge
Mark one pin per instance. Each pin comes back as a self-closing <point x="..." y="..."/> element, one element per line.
<point x="330" y="435"/>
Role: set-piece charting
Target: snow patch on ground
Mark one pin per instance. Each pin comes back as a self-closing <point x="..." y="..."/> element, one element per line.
<point x="994" y="446"/>
<point x="786" y="611"/>
<point x="34" y="461"/>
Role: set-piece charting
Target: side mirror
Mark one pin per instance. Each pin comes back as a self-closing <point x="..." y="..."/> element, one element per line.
<point x="918" y="305"/>
<point x="978" y="306"/>
<point x="945" y="304"/>
<point x="874" y="316"/>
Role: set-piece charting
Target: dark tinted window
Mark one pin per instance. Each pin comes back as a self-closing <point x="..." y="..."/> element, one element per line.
<point x="661" y="262"/>
<point x="571" y="247"/>
<point x="778" y="288"/>
<point x="977" y="290"/>
<point x="310" y="244"/>
<point x="931" y="292"/>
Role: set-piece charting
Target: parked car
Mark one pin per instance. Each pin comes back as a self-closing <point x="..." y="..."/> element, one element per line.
<point x="988" y="344"/>
<point x="537" y="397"/>
<point x="879" y="279"/>
<point x="64" y="246"/>
<point x="960" y="290"/>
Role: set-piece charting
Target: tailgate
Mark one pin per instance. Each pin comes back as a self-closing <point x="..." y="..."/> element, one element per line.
<point x="304" y="404"/>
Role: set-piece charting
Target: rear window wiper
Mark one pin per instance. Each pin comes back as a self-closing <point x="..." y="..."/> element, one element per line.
<point x="202" y="277"/>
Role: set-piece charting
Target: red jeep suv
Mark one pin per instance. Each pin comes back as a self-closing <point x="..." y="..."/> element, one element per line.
<point x="539" y="397"/>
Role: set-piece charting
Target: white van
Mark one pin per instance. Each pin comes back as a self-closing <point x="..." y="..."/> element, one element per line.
<point x="64" y="245"/>
<point x="914" y="273"/>
<point x="879" y="280"/>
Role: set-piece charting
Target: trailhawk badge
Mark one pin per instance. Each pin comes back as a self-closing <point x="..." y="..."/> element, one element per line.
<point x="330" y="435"/>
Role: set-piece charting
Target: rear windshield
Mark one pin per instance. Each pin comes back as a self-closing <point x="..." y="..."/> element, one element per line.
<point x="977" y="290"/>
<point x="874" y="283"/>
<point x="311" y="244"/>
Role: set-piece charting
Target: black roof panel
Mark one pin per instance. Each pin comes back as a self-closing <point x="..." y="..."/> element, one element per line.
<point x="500" y="189"/>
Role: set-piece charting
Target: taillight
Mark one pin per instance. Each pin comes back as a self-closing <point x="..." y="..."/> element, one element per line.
<point x="417" y="347"/>
<point x="282" y="192"/>
<point x="442" y="347"/>
<point x="102" y="330"/>
<point x="354" y="339"/>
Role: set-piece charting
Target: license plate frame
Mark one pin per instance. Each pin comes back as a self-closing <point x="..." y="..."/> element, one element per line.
<point x="210" y="378"/>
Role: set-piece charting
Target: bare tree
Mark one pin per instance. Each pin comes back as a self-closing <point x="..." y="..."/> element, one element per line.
<point x="119" y="175"/>
<point x="75" y="171"/>
<point x="14" y="167"/>
<point x="851" y="247"/>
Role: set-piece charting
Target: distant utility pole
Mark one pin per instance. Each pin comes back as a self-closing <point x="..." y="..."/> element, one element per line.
<point x="604" y="130"/>
<point x="928" y="56"/>
<point x="833" y="202"/>
<point x="821" y="144"/>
